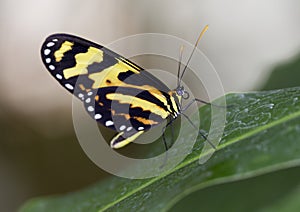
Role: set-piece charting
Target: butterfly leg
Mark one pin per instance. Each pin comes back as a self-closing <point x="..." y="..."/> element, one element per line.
<point x="170" y="123"/>
<point x="202" y="101"/>
<point x="124" y="138"/>
<point x="166" y="148"/>
<point x="200" y="132"/>
<point x="172" y="130"/>
<point x="208" y="103"/>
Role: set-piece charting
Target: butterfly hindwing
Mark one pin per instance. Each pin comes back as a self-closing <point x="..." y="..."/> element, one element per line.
<point x="128" y="108"/>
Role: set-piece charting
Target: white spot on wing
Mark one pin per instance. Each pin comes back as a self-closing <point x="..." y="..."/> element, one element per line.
<point x="90" y="108"/>
<point x="98" y="116"/>
<point x="69" y="86"/>
<point x="140" y="128"/>
<point x="109" y="123"/>
<point x="88" y="100"/>
<point x="90" y="93"/>
<point x="129" y="128"/>
<point x="58" y="76"/>
<point x="48" y="60"/>
<point x="50" y="44"/>
<point x="47" y="51"/>
<point x="81" y="96"/>
<point x="51" y="67"/>
<point x="54" y="40"/>
<point x="123" y="127"/>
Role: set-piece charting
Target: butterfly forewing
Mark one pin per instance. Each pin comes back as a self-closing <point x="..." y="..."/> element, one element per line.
<point x="116" y="92"/>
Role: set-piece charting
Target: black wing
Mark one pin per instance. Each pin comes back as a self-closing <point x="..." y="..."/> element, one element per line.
<point x="116" y="92"/>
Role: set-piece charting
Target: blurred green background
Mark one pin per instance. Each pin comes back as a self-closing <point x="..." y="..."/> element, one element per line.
<point x="254" y="45"/>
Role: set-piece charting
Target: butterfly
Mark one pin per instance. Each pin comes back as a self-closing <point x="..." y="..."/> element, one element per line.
<point x="116" y="92"/>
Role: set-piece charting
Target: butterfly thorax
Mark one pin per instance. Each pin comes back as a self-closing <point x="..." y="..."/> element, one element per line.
<point x="175" y="99"/>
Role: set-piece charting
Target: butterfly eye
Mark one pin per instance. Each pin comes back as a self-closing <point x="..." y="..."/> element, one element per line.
<point x="180" y="91"/>
<point x="185" y="95"/>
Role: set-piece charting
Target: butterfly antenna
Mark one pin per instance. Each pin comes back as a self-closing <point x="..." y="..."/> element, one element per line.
<point x="195" y="46"/>
<point x="179" y="65"/>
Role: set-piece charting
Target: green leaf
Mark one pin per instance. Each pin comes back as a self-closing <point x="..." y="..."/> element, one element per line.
<point x="284" y="76"/>
<point x="274" y="191"/>
<point x="261" y="136"/>
<point x="288" y="203"/>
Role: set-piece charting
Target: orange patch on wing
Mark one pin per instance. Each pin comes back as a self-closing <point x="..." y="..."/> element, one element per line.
<point x="126" y="115"/>
<point x="145" y="121"/>
<point x="81" y="86"/>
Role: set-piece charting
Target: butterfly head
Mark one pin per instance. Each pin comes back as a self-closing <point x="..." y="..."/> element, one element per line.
<point x="181" y="92"/>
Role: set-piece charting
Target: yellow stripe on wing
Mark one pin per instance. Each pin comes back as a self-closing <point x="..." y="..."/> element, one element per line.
<point x="109" y="77"/>
<point x="136" y="102"/>
<point x="118" y="144"/>
<point x="59" y="54"/>
<point x="83" y="60"/>
<point x="110" y="74"/>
